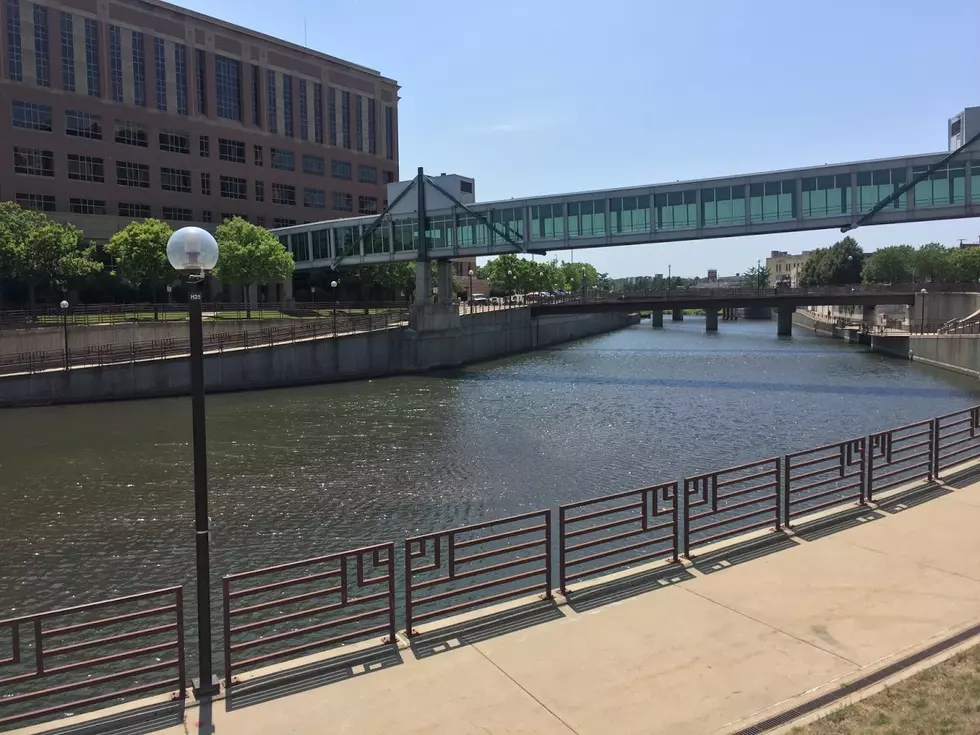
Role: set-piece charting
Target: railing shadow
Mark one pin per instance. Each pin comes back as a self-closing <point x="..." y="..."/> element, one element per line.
<point x="140" y="721"/>
<point x="842" y="520"/>
<point x="618" y="590"/>
<point x="739" y="553"/>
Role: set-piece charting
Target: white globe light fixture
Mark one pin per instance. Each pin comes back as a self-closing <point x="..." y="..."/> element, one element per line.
<point x="64" y="304"/>
<point x="192" y="249"/>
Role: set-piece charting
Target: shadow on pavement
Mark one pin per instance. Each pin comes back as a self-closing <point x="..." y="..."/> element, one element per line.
<point x="719" y="561"/>
<point x="622" y="589"/>
<point x="141" y="721"/>
<point x="911" y="498"/>
<point x="850" y="518"/>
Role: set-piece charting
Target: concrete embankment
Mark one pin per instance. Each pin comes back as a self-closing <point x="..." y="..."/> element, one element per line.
<point x="959" y="353"/>
<point x="350" y="357"/>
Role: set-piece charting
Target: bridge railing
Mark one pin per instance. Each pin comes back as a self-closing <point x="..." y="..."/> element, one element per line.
<point x="104" y="651"/>
<point x="824" y="477"/>
<point x="901" y="455"/>
<point x="957" y="438"/>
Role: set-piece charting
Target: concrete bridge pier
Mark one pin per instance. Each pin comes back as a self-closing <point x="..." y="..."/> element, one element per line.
<point x="657" y="318"/>
<point x="784" y="323"/>
<point x="729" y="313"/>
<point x="677" y="315"/>
<point x="868" y="315"/>
<point x="426" y="315"/>
<point x="711" y="320"/>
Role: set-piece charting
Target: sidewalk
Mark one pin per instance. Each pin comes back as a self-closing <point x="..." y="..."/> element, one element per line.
<point x="710" y="649"/>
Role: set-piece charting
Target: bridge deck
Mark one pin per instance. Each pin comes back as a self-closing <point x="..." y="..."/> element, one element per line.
<point x="818" y="197"/>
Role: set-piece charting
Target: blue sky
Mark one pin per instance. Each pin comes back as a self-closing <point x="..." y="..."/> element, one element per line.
<point x="547" y="96"/>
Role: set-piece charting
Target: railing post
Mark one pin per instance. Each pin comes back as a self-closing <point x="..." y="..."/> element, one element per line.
<point x="935" y="429"/>
<point x="779" y="505"/>
<point x="562" y="585"/>
<point x="226" y="616"/>
<point x="784" y="492"/>
<point x="181" y="663"/>
<point x="869" y="482"/>
<point x="408" y="588"/>
<point x="548" y="556"/>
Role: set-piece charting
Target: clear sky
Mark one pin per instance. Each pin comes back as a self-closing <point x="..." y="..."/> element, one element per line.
<point x="548" y="96"/>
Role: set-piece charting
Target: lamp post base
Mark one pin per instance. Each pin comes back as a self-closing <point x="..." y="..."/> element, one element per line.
<point x="207" y="691"/>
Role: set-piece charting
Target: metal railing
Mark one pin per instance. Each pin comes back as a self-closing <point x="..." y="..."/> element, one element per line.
<point x="68" y="643"/>
<point x="631" y="531"/>
<point x="305" y="609"/>
<point x="957" y="438"/>
<point x="464" y="573"/>
<point x="823" y="477"/>
<point x="918" y="327"/>
<point x="901" y="455"/>
<point x="161" y="349"/>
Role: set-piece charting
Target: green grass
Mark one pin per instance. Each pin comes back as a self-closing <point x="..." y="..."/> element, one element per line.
<point x="942" y="700"/>
<point x="178" y="316"/>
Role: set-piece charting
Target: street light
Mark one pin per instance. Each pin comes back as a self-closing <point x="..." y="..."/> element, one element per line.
<point x="471" y="290"/>
<point x="510" y="287"/>
<point x="313" y="292"/>
<point x="195" y="251"/>
<point x="333" y="285"/>
<point x="64" y="328"/>
<point x="922" y="312"/>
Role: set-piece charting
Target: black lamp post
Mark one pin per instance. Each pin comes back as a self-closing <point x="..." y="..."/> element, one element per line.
<point x="510" y="287"/>
<point x="195" y="251"/>
<point x="471" y="290"/>
<point x="333" y="285"/>
<point x="64" y="329"/>
<point x="922" y="312"/>
<point x="313" y="293"/>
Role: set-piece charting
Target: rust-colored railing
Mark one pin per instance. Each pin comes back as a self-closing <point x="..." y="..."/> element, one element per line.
<point x="957" y="438"/>
<point x="616" y="531"/>
<point x="77" y="649"/>
<point x="901" y="455"/>
<point x="303" y="608"/>
<point x="824" y="477"/>
<point x="462" y="566"/>
<point x="730" y="502"/>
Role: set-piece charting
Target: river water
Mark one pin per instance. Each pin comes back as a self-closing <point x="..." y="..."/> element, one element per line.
<point x="97" y="500"/>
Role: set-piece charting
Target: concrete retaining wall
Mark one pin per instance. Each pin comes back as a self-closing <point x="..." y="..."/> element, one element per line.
<point x="392" y="352"/>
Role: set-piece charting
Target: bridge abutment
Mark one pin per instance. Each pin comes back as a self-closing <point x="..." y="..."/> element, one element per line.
<point x="657" y="318"/>
<point x="784" y="320"/>
<point x="711" y="320"/>
<point x="426" y="315"/>
<point x="677" y="315"/>
<point x="868" y="314"/>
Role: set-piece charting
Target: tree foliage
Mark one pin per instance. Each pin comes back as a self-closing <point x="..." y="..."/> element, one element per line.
<point x="933" y="262"/>
<point x="966" y="264"/>
<point x="140" y="253"/>
<point x="838" y="265"/>
<point x="892" y="264"/>
<point x="756" y="277"/>
<point x="250" y="255"/>
<point x="510" y="274"/>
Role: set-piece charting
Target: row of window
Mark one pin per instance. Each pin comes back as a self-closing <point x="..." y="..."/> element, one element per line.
<point x="34" y="116"/>
<point x="228" y="79"/>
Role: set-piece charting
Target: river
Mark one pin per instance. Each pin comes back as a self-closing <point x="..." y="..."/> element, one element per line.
<point x="97" y="500"/>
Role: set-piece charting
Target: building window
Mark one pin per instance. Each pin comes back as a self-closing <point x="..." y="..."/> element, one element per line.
<point x="345" y="117"/>
<point x="260" y="191"/>
<point x="314" y="198"/>
<point x="131" y="133"/>
<point x="83" y="125"/>
<point x="175" y="142"/>
<point x="175" y="179"/>
<point x="200" y="74"/>
<point x="340" y="170"/>
<point x="206" y="215"/>
<point x="115" y="64"/>
<point x="33" y="162"/>
<point x="389" y="177"/>
<point x="343" y="202"/>
<point x="359" y="120"/>
<point x="231" y="150"/>
<point x="228" y="88"/>
<point x="373" y="127"/>
<point x="42" y="53"/>
<point x="139" y="70"/>
<point x="270" y="94"/>
<point x="284" y="194"/>
<point x="135" y="211"/>
<point x="204" y="146"/>
<point x="389" y="133"/>
<point x="367" y="205"/>
<point x="304" y="121"/>
<point x="283" y="160"/>
<point x="133" y="174"/>
<point x="367" y="174"/>
<point x="67" y="52"/>
<point x="233" y="187"/>
<point x="256" y="97"/>
<point x="318" y="112"/>
<point x="260" y="220"/>
<point x="205" y="184"/>
<point x="257" y="157"/>
<point x="86" y="206"/>
<point x="15" y="64"/>
<point x="332" y="114"/>
<point x="93" y="78"/>
<point x="39" y="202"/>
<point x="160" y="59"/>
<point x="282" y="222"/>
<point x="85" y="168"/>
<point x="178" y="214"/>
<point x="315" y="165"/>
<point x="287" y="105"/>
<point x="180" y="77"/>
<point x="30" y="115"/>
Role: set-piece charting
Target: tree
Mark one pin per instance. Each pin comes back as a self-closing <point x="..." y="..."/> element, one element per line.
<point x="140" y="254"/>
<point x="966" y="264"/>
<point x="250" y="255"/>
<point x="889" y="265"/>
<point x="838" y="265"/>
<point x="933" y="262"/>
<point x="756" y="277"/>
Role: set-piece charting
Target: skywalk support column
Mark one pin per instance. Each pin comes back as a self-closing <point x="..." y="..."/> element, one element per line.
<point x="425" y="315"/>
<point x="657" y="318"/>
<point x="444" y="282"/>
<point x="868" y="315"/>
<point x="784" y="323"/>
<point x="677" y="315"/>
<point x="711" y="320"/>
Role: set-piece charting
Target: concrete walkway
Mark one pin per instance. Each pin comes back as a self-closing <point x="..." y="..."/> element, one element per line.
<point x="706" y="651"/>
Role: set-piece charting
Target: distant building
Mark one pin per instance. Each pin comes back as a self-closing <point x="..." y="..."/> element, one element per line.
<point x="712" y="275"/>
<point x="784" y="267"/>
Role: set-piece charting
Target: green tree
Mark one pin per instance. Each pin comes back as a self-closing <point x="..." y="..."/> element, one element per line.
<point x="892" y="264"/>
<point x="838" y="265"/>
<point x="933" y="262"/>
<point x="250" y="255"/>
<point x="756" y="277"/>
<point x="139" y="252"/>
<point x="966" y="264"/>
<point x="578" y="275"/>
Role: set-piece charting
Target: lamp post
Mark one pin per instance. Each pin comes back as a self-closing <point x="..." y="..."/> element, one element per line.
<point x="64" y="329"/>
<point x="669" y="279"/>
<point x="313" y="293"/>
<point x="170" y="294"/>
<point x="922" y="311"/>
<point x="510" y="287"/>
<point x="470" y="292"/>
<point x="333" y="285"/>
<point x="195" y="251"/>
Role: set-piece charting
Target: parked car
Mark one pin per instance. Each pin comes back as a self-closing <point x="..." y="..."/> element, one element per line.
<point x="479" y="298"/>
